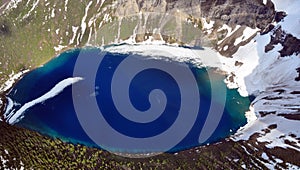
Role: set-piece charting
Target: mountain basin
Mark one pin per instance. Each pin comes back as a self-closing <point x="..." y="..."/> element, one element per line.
<point x="144" y="106"/>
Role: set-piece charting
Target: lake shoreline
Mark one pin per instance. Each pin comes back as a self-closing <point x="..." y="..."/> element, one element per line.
<point x="226" y="154"/>
<point x="190" y="153"/>
<point x="65" y="65"/>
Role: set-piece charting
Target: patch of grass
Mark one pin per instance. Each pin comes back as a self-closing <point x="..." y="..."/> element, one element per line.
<point x="190" y="33"/>
<point x="127" y="27"/>
<point x="28" y="37"/>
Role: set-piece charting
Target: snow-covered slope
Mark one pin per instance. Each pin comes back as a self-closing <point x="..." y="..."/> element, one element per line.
<point x="273" y="80"/>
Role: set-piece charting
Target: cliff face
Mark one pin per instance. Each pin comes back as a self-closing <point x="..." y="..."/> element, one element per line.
<point x="215" y="23"/>
<point x="191" y="22"/>
<point x="238" y="12"/>
<point x="232" y="12"/>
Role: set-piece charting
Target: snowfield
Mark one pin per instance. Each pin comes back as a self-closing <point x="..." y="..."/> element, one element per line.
<point x="13" y="117"/>
<point x="273" y="81"/>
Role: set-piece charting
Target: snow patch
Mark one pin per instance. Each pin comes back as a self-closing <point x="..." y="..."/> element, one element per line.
<point x="66" y="5"/>
<point x="158" y="50"/>
<point x="247" y="33"/>
<point x="12" y="79"/>
<point x="264" y="156"/>
<point x="58" y="88"/>
<point x="278" y="136"/>
<point x="74" y="30"/>
<point x="3" y="162"/>
<point x="53" y="13"/>
<point x="9" y="107"/>
<point x="291" y="166"/>
<point x="248" y="56"/>
<point x="250" y="115"/>
<point x="12" y="4"/>
<point x="59" y="47"/>
<point x="230" y="31"/>
<point x="275" y="137"/>
<point x="225" y="47"/>
<point x="32" y="8"/>
<point x="208" y="26"/>
<point x="265" y="2"/>
<point x="257" y="72"/>
<point x="83" y="24"/>
<point x="106" y="18"/>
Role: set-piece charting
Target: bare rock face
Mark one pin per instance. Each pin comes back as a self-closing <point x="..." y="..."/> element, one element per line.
<point x="298" y="78"/>
<point x="126" y="8"/>
<point x="182" y="21"/>
<point x="238" y="12"/>
<point x="232" y="12"/>
<point x="291" y="45"/>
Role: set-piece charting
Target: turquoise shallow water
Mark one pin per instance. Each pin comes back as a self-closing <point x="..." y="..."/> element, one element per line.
<point x="56" y="117"/>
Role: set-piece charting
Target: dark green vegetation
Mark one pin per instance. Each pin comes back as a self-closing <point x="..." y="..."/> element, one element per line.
<point x="34" y="151"/>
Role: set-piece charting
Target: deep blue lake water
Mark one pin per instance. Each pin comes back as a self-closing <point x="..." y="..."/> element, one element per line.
<point x="56" y="116"/>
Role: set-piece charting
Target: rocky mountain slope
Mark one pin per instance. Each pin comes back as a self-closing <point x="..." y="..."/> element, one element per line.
<point x="257" y="41"/>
